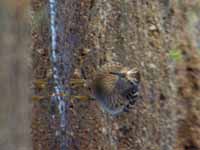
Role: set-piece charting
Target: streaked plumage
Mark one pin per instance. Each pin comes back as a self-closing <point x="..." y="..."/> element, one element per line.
<point x="115" y="87"/>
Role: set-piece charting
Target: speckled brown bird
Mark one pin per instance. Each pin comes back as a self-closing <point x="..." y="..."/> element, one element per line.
<point x="115" y="87"/>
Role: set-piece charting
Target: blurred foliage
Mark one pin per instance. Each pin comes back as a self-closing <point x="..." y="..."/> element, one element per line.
<point x="175" y="54"/>
<point x="39" y="19"/>
<point x="15" y="62"/>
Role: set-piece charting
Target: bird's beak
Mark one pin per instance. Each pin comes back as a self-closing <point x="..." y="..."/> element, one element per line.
<point x="118" y="74"/>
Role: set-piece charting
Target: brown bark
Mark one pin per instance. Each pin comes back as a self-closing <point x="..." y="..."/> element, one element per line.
<point x="138" y="33"/>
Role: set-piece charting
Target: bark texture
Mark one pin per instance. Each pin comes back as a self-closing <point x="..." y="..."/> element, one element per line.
<point x="155" y="36"/>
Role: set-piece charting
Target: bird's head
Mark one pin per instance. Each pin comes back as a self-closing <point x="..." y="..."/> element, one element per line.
<point x="130" y="74"/>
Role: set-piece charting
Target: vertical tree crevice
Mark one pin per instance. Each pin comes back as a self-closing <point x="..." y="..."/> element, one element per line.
<point x="152" y="36"/>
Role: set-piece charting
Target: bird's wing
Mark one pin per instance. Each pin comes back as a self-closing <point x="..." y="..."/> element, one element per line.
<point x="109" y="82"/>
<point x="127" y="89"/>
<point x="111" y="67"/>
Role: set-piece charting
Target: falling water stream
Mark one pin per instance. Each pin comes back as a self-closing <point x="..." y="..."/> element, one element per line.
<point x="61" y="66"/>
<point x="58" y="63"/>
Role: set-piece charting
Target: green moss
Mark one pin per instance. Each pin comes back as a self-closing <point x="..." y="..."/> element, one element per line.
<point x="175" y="54"/>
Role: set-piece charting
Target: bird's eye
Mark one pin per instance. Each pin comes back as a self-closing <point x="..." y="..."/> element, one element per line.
<point x="89" y="88"/>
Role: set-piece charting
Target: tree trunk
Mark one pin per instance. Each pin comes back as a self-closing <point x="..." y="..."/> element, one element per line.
<point x="154" y="36"/>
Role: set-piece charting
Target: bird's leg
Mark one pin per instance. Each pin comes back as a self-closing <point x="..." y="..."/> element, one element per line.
<point x="79" y="97"/>
<point x="40" y="83"/>
<point x="72" y="97"/>
<point x="46" y="97"/>
<point x="75" y="83"/>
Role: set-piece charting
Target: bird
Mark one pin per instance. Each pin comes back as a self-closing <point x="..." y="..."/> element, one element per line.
<point x="115" y="87"/>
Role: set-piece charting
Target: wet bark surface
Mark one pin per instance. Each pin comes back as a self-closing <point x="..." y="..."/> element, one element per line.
<point x="139" y="34"/>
